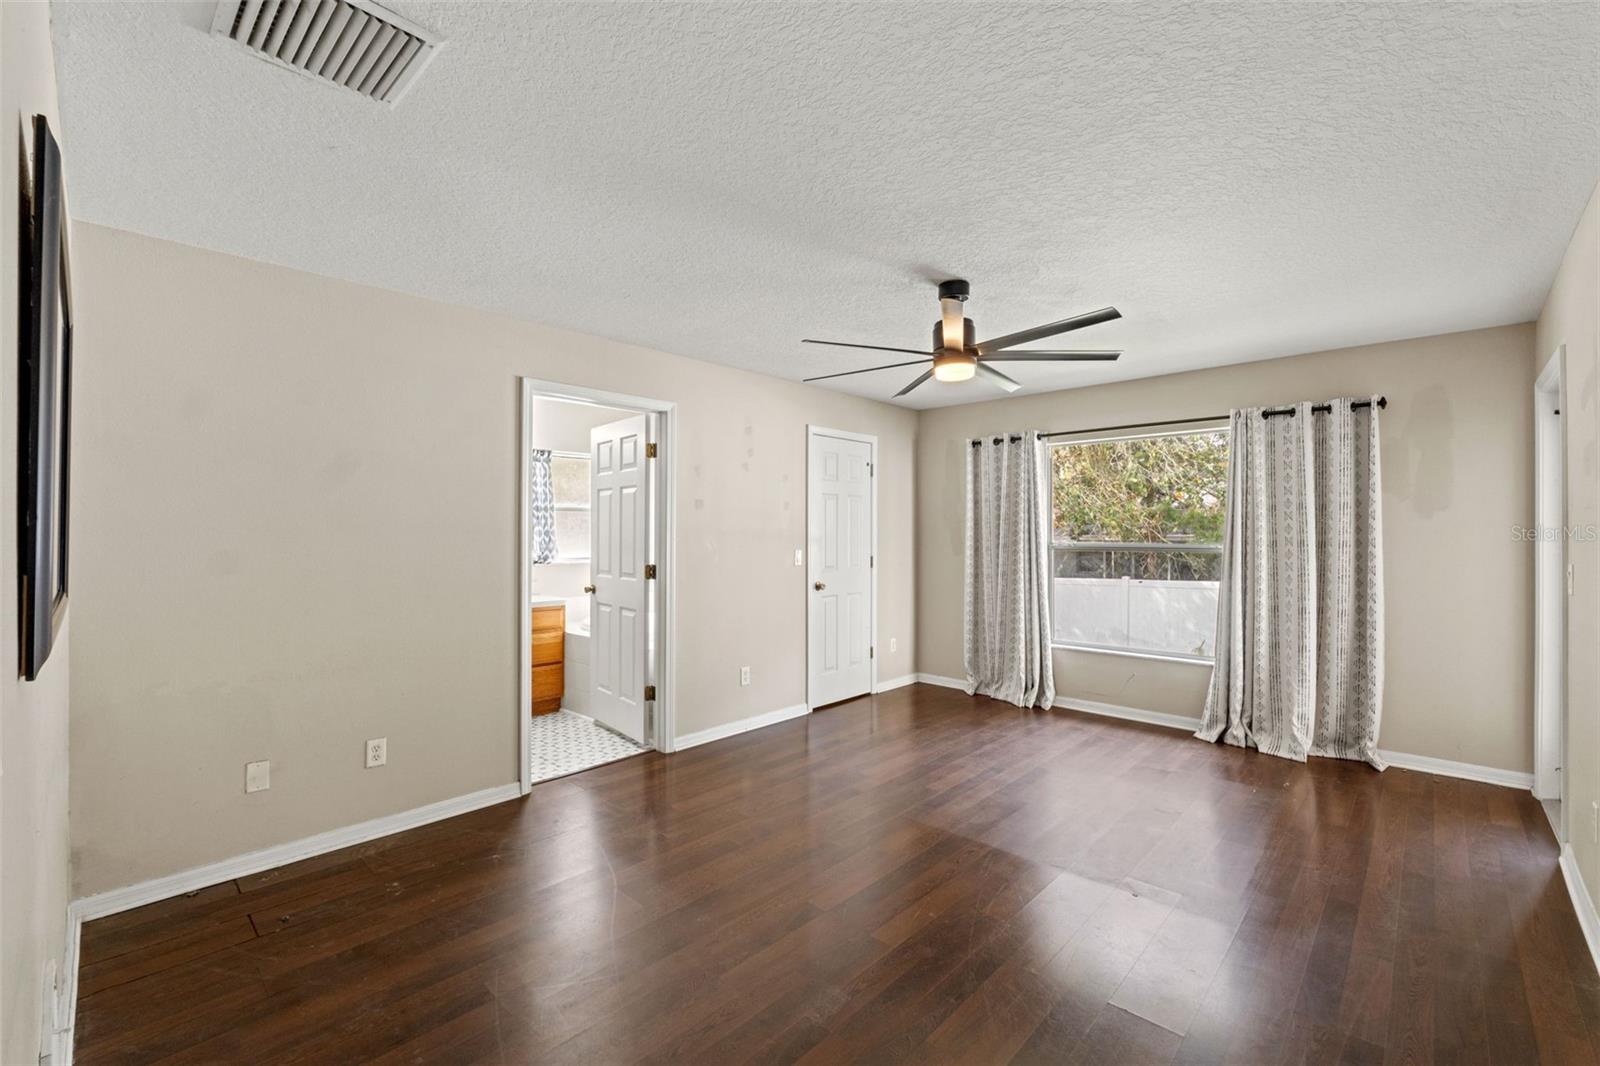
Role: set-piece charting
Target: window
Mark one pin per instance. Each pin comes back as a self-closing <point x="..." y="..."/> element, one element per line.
<point x="1137" y="542"/>
<point x="569" y="475"/>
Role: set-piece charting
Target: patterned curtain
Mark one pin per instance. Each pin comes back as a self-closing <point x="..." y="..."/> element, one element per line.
<point x="1007" y="611"/>
<point x="541" y="508"/>
<point x="1299" y="667"/>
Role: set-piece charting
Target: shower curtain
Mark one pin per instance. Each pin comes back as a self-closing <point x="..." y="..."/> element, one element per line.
<point x="541" y="507"/>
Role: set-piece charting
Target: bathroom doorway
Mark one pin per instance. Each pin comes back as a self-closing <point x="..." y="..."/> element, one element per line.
<point x="594" y="539"/>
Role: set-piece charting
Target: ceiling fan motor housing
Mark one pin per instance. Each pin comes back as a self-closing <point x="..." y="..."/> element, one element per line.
<point x="968" y="341"/>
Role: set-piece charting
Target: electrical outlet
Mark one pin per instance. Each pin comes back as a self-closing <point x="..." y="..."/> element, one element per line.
<point x="377" y="752"/>
<point x="799" y="557"/>
<point x="258" y="776"/>
<point x="744" y="675"/>
<point x="894" y="644"/>
<point x="1594" y="822"/>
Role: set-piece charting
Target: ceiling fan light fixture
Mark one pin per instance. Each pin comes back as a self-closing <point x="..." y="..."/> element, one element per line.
<point x="951" y="365"/>
<point x="957" y="355"/>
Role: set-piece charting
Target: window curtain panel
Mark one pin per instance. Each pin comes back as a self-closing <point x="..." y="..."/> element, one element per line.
<point x="1007" y="598"/>
<point x="1299" y="665"/>
<point x="541" y="507"/>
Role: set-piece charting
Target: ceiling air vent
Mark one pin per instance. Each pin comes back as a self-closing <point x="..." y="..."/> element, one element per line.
<point x="351" y="43"/>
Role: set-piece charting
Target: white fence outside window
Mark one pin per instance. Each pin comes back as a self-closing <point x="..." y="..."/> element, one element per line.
<point x="1128" y="614"/>
<point x="1149" y="598"/>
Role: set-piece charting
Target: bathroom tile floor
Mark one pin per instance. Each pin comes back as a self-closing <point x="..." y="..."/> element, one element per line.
<point x="564" y="743"/>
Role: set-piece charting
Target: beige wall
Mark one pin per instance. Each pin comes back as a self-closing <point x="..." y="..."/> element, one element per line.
<point x="34" y="877"/>
<point x="1569" y="318"/>
<point x="1457" y="463"/>
<point x="295" y="527"/>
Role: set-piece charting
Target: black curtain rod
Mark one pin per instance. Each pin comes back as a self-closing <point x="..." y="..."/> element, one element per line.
<point x="1321" y="408"/>
<point x="1135" y="425"/>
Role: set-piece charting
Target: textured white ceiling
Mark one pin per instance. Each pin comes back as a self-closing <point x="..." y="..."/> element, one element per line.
<point x="719" y="181"/>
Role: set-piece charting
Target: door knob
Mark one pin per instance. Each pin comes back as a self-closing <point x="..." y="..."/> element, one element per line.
<point x="588" y="588"/>
<point x="819" y="586"/>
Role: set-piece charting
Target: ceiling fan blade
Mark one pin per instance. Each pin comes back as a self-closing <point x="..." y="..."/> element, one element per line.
<point x="1056" y="357"/>
<point x="924" y="376"/>
<point x="868" y="370"/>
<point x="869" y="347"/>
<point x="993" y="375"/>
<point x="1066" y="325"/>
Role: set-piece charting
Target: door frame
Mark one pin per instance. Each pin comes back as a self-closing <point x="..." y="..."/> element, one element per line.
<point x="871" y="440"/>
<point x="1550" y="584"/>
<point x="661" y="720"/>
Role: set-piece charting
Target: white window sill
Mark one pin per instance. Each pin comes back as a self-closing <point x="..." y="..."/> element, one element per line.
<point x="1130" y="653"/>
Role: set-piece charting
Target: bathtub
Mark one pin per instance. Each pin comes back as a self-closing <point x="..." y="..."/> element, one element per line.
<point x="575" y="686"/>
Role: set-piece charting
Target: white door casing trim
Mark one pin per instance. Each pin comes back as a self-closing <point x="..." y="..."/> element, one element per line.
<point x="664" y="521"/>
<point x="871" y="440"/>
<point x="1550" y="594"/>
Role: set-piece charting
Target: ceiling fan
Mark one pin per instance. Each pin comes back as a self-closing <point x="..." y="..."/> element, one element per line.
<point x="968" y="358"/>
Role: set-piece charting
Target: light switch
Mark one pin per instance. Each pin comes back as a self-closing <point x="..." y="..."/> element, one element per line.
<point x="258" y="776"/>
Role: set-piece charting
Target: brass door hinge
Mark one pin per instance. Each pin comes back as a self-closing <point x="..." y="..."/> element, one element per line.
<point x="650" y="450"/>
<point x="649" y="571"/>
<point x="649" y="692"/>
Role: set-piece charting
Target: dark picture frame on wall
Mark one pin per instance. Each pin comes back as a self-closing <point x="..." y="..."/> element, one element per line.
<point x="44" y="423"/>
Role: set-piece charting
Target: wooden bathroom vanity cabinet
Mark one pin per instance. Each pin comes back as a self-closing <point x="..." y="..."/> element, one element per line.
<point x="549" y="633"/>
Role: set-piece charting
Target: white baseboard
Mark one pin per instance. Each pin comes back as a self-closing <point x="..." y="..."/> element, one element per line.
<point x="743" y="725"/>
<point x="117" y="900"/>
<point x="1582" y="901"/>
<point x="1466" y="771"/>
<point x="1423" y="763"/>
<point x="895" y="682"/>
<point x="1131" y="714"/>
<point x="1401" y="760"/>
<point x="121" y="899"/>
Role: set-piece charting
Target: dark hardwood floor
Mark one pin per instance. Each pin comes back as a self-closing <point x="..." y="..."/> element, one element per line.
<point x="916" y="877"/>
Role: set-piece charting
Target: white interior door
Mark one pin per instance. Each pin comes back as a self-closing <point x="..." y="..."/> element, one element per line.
<point x="618" y="534"/>
<point x="839" y="542"/>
